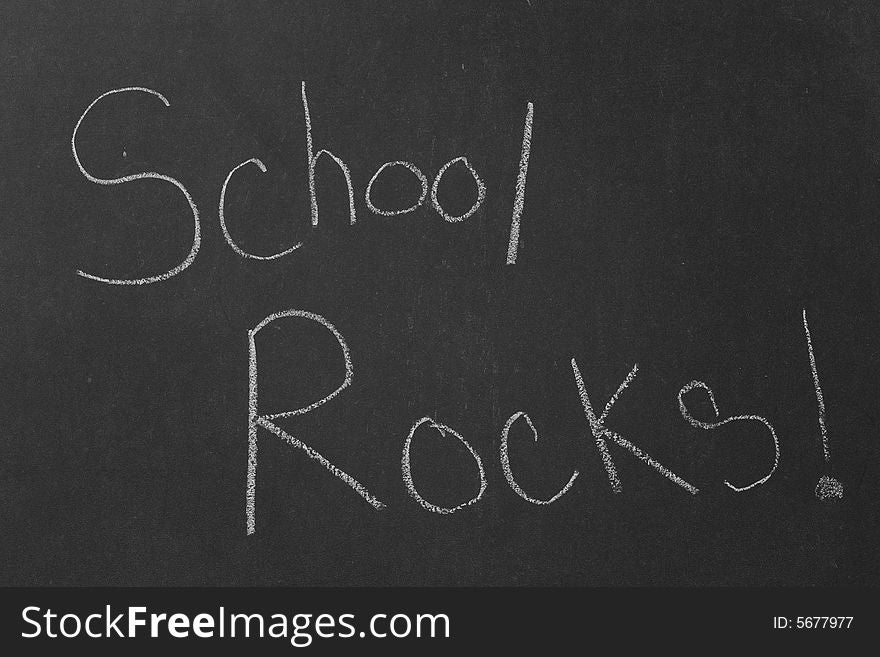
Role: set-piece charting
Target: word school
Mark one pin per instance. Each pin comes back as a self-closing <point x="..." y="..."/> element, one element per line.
<point x="312" y="160"/>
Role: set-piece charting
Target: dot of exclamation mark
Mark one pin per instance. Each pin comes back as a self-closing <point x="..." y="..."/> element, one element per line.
<point x="828" y="487"/>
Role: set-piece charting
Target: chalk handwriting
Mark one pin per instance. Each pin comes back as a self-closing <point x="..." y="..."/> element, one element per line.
<point x="601" y="434"/>
<point x="406" y="469"/>
<point x="313" y="160"/>
<point x="505" y="462"/>
<point x="197" y="235"/>
<point x="828" y="487"/>
<point x="694" y="422"/>
<point x="391" y="213"/>
<point x="225" y="229"/>
<point x="255" y="420"/>
<point x="520" y="197"/>
<point x="481" y="191"/>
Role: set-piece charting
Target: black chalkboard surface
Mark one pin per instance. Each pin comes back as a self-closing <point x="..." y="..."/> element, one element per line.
<point x="221" y="368"/>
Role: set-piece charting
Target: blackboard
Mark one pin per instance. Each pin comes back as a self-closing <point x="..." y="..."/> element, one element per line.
<point x="699" y="191"/>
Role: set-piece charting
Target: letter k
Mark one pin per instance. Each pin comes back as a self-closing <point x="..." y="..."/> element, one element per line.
<point x="112" y="625"/>
<point x="601" y="434"/>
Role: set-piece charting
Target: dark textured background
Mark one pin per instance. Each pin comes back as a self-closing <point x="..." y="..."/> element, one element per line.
<point x="701" y="171"/>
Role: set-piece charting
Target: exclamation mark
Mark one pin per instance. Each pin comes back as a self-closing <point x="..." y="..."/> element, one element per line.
<point x="828" y="486"/>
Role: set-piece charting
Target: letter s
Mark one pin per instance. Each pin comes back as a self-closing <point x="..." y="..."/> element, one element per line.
<point x="138" y="176"/>
<point x="24" y="617"/>
<point x="694" y="422"/>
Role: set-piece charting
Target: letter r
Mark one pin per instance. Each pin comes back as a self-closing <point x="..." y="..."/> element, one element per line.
<point x="255" y="420"/>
